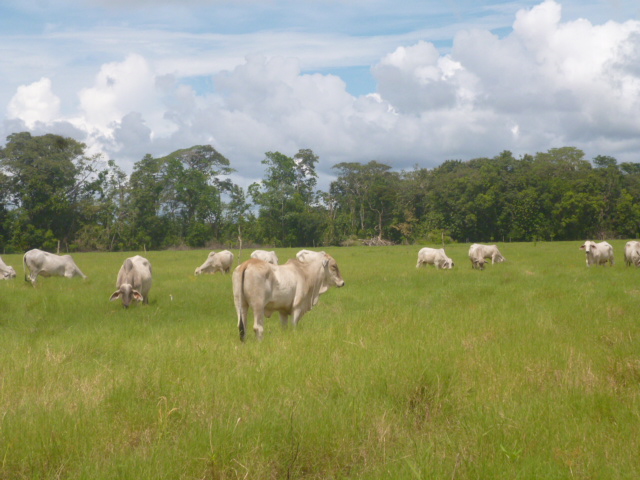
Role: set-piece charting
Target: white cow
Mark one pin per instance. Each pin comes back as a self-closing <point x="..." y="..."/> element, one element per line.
<point x="269" y="257"/>
<point x="632" y="253"/>
<point x="38" y="262"/>
<point x="290" y="289"/>
<point x="478" y="253"/>
<point x="434" y="256"/>
<point x="216" y="262"/>
<point x="6" y="272"/>
<point x="598" y="253"/>
<point x="134" y="281"/>
<point x="307" y="255"/>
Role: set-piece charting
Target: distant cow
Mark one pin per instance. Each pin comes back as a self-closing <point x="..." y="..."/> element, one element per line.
<point x="632" y="253"/>
<point x="134" y="281"/>
<point x="216" y="262"/>
<point x="598" y="253"/>
<point x="290" y="289"/>
<point x="6" y="272"/>
<point x="478" y="253"/>
<point x="269" y="257"/>
<point x="434" y="256"/>
<point x="307" y="255"/>
<point x="38" y="262"/>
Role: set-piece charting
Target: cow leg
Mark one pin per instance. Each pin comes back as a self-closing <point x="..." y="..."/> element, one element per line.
<point x="297" y="315"/>
<point x="284" y="320"/>
<point x="258" y="322"/>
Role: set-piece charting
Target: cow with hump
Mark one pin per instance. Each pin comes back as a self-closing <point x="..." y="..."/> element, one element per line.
<point x="290" y="289"/>
<point x="598" y="253"/>
<point x="134" y="281"/>
<point x="40" y="263"/>
<point x="6" y="272"/>
<point x="216" y="262"/>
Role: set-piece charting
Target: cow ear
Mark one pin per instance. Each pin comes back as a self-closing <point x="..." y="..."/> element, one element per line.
<point x="115" y="295"/>
<point x="137" y="295"/>
<point x="325" y="262"/>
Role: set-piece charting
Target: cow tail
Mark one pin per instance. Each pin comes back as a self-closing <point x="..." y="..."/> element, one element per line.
<point x="24" y="267"/>
<point x="238" y="296"/>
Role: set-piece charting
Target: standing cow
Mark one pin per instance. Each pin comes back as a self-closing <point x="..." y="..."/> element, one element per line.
<point x="269" y="257"/>
<point x="290" y="289"/>
<point x="434" y="256"/>
<point x="6" y="272"/>
<point x="598" y="253"/>
<point x="38" y="262"/>
<point x="478" y="253"/>
<point x="216" y="262"/>
<point x="134" y="281"/>
<point x="632" y="253"/>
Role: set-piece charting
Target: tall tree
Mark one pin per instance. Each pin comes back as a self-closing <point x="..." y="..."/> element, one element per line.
<point x="49" y="179"/>
<point x="286" y="198"/>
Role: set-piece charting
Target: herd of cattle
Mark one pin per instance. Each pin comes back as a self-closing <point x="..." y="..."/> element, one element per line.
<point x="263" y="285"/>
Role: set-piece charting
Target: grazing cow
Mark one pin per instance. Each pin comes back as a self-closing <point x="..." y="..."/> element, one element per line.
<point x="269" y="257"/>
<point x="134" y="281"/>
<point x="632" y="253"/>
<point x="598" y="253"/>
<point x="38" y="262"/>
<point x="216" y="262"/>
<point x="290" y="289"/>
<point x="307" y="255"/>
<point x="434" y="256"/>
<point x="6" y="272"/>
<point x="478" y="253"/>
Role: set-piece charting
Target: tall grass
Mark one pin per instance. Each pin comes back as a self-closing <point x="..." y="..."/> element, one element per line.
<point x="528" y="369"/>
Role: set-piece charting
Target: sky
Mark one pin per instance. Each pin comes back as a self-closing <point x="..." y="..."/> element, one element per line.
<point x="405" y="83"/>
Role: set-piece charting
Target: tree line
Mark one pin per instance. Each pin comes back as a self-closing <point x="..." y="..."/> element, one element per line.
<point x="52" y="192"/>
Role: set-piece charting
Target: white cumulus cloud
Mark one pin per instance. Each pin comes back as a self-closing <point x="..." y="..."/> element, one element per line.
<point x="34" y="103"/>
<point x="548" y="83"/>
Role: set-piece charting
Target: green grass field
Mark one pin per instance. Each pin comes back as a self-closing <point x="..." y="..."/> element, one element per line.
<point x="528" y="369"/>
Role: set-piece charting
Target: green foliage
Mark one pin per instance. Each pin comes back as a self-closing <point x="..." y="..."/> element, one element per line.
<point x="51" y="191"/>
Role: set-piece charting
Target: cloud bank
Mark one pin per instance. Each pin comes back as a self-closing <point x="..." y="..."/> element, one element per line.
<point x="548" y="83"/>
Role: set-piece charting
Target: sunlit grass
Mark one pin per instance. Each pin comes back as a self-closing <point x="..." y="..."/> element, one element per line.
<point x="528" y="369"/>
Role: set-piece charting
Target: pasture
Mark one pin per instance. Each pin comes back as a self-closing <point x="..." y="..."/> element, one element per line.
<point x="528" y="369"/>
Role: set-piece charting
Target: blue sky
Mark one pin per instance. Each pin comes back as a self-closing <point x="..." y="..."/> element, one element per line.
<point x="401" y="82"/>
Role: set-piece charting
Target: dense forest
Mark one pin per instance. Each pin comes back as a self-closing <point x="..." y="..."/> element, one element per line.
<point x="53" y="193"/>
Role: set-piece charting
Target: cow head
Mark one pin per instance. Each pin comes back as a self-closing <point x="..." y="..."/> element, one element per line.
<point x="9" y="273"/>
<point x="331" y="267"/>
<point x="127" y="293"/>
<point x="587" y="246"/>
<point x="478" y="263"/>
